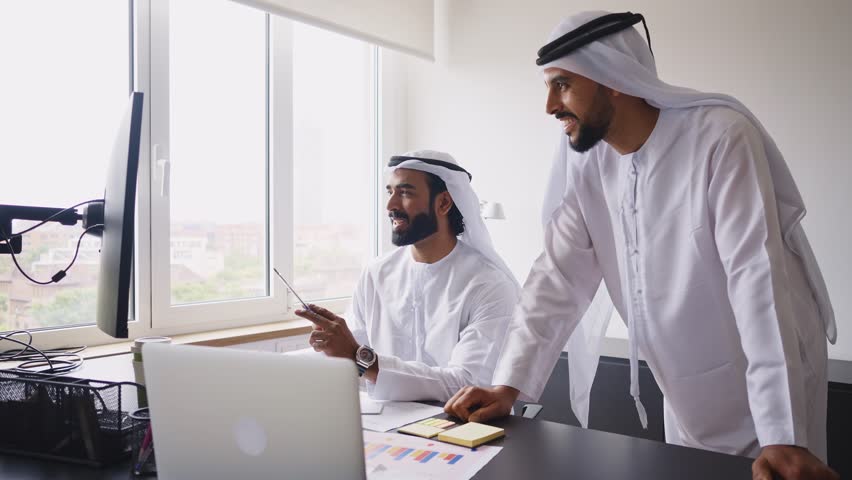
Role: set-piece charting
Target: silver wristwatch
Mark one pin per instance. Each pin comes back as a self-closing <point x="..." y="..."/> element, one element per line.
<point x="365" y="357"/>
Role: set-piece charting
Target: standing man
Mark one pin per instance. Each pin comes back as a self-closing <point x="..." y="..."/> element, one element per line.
<point x="683" y="205"/>
<point x="429" y="317"/>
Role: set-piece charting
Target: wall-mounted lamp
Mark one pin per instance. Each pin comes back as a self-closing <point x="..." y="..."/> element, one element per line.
<point x="491" y="210"/>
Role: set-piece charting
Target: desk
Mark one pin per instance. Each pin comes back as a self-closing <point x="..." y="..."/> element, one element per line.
<point x="532" y="449"/>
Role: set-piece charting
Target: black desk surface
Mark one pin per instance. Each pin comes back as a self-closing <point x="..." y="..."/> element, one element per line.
<point x="532" y="449"/>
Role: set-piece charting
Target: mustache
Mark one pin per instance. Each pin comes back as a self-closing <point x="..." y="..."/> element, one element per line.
<point x="561" y="115"/>
<point x="396" y="214"/>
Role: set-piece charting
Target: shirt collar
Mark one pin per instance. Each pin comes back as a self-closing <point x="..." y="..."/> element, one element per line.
<point x="439" y="263"/>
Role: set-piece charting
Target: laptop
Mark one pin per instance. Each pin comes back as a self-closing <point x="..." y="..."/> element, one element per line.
<point x="223" y="413"/>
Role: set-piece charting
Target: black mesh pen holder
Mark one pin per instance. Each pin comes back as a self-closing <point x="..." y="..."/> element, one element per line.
<point x="142" y="462"/>
<point x="68" y="419"/>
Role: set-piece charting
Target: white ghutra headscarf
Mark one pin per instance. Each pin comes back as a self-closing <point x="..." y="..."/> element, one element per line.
<point x="623" y="61"/>
<point x="457" y="179"/>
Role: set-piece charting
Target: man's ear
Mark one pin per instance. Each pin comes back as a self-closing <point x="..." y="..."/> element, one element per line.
<point x="444" y="202"/>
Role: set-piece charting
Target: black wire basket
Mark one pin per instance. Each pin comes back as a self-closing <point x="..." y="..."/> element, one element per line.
<point x="69" y="419"/>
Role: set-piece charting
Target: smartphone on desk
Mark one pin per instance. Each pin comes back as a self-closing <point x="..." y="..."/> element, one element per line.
<point x="304" y="305"/>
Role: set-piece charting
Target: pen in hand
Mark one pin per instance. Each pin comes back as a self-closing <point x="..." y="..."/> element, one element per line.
<point x="304" y="305"/>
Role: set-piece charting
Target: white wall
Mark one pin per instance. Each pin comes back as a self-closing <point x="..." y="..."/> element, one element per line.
<point x="393" y="140"/>
<point x="789" y="61"/>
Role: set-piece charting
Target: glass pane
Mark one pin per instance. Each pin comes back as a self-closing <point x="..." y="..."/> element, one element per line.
<point x="218" y="151"/>
<point x="332" y="162"/>
<point x="63" y="90"/>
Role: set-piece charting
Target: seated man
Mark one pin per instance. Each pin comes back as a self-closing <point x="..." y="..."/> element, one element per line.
<point x="430" y="317"/>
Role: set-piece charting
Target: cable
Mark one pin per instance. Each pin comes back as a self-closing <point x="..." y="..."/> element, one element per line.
<point x="58" y="275"/>
<point x="58" y="361"/>
<point x="48" y="219"/>
<point x="77" y="250"/>
<point x="32" y="358"/>
<point x="16" y="354"/>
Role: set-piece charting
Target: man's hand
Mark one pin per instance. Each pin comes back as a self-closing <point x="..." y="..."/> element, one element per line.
<point x="330" y="335"/>
<point x="790" y="463"/>
<point x="475" y="404"/>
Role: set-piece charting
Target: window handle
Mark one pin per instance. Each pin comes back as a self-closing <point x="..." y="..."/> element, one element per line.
<point x="165" y="171"/>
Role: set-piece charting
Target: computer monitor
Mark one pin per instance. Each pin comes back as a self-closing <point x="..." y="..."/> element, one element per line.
<point x="119" y="208"/>
<point x="116" y="213"/>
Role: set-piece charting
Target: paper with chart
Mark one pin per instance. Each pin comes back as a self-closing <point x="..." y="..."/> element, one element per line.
<point x="396" y="456"/>
<point x="398" y="414"/>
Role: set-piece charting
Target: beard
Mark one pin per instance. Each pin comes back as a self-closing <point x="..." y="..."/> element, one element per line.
<point x="422" y="226"/>
<point x="594" y="130"/>
<point x="588" y="136"/>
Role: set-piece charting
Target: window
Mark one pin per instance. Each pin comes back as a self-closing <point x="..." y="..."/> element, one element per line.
<point x="332" y="181"/>
<point x="265" y="157"/>
<point x="66" y="77"/>
<point x="257" y="152"/>
<point x="217" y="117"/>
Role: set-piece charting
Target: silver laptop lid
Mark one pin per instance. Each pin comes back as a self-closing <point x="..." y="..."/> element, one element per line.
<point x="223" y="413"/>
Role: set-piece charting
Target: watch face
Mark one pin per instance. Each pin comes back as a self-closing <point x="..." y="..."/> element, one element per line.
<point x="366" y="355"/>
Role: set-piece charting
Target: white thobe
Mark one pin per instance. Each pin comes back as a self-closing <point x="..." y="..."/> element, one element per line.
<point x="685" y="233"/>
<point x="435" y="327"/>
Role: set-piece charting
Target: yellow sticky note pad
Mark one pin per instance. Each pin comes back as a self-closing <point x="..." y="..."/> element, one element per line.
<point x="428" y="427"/>
<point x="471" y="434"/>
<point x="438" y="423"/>
<point x="421" y="430"/>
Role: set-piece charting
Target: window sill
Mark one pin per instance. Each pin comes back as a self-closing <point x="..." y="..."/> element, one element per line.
<point x="232" y="332"/>
<point x="215" y="338"/>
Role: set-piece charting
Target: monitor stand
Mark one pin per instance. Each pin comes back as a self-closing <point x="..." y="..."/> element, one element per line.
<point x="93" y="214"/>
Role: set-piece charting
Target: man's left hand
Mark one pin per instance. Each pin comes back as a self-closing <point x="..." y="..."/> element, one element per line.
<point x="330" y="335"/>
<point x="790" y="463"/>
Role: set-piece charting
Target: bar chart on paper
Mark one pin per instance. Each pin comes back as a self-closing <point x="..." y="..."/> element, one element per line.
<point x="391" y="455"/>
